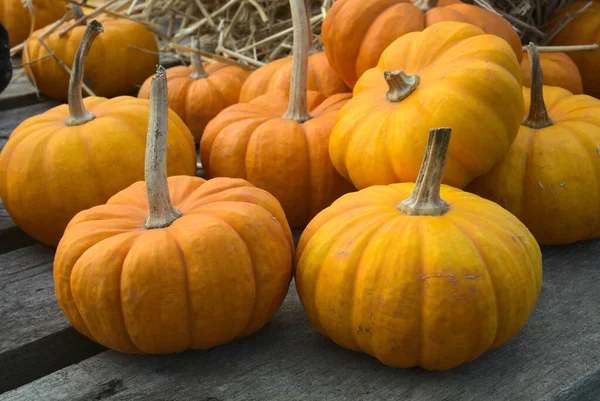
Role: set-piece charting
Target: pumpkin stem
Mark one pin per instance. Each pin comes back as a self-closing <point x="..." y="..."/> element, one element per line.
<point x="425" y="199"/>
<point x="308" y="8"/>
<point x="161" y="212"/>
<point x="297" y="106"/>
<point x="538" y="115"/>
<point x="77" y="13"/>
<point x="425" y="5"/>
<point x="400" y="85"/>
<point x="77" y="113"/>
<point x="198" y="71"/>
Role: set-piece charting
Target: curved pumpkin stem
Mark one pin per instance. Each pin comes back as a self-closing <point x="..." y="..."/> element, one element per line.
<point x="198" y="71"/>
<point x="400" y="85"/>
<point x="161" y="212"/>
<point x="425" y="5"/>
<point x="77" y="113"/>
<point x="297" y="106"/>
<point x="538" y="115"/>
<point x="425" y="199"/>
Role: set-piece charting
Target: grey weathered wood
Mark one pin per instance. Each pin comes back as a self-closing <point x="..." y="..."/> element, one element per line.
<point x="555" y="357"/>
<point x="35" y="337"/>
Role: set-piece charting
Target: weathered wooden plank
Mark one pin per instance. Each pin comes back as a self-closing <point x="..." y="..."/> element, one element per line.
<point x="35" y="337"/>
<point x="555" y="357"/>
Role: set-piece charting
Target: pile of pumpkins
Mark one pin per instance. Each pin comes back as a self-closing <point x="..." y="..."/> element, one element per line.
<point x="425" y="191"/>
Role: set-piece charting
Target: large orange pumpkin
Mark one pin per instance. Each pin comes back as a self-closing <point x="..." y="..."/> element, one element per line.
<point x="559" y="70"/>
<point x="283" y="152"/>
<point x="76" y="156"/>
<point x="416" y="279"/>
<point x="143" y="275"/>
<point x="17" y="18"/>
<point x="199" y="92"/>
<point x="356" y="32"/>
<point x="550" y="177"/>
<point x="451" y="74"/>
<point x="581" y="30"/>
<point x="124" y="57"/>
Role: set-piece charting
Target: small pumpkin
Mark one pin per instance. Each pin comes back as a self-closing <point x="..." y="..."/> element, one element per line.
<point x="418" y="274"/>
<point x="580" y="30"/>
<point x="17" y="18"/>
<point x="356" y="32"/>
<point x="199" y="92"/>
<point x="450" y="74"/>
<point x="76" y="156"/>
<point x="124" y="57"/>
<point x="559" y="70"/>
<point x="277" y="75"/>
<point x="550" y="177"/>
<point x="283" y="152"/>
<point x="144" y="274"/>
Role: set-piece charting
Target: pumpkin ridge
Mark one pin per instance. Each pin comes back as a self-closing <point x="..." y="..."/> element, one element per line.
<point x="421" y="335"/>
<point x="527" y="162"/>
<point x="308" y="169"/>
<point x="245" y="177"/>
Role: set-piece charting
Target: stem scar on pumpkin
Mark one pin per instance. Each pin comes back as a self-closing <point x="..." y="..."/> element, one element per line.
<point x="297" y="106"/>
<point x="425" y="5"/>
<point x="198" y="71"/>
<point x="425" y="199"/>
<point x="78" y="115"/>
<point x="161" y="212"/>
<point x="400" y="85"/>
<point x="538" y="114"/>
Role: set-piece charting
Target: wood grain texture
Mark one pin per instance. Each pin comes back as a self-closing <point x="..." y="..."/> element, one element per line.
<point x="35" y="337"/>
<point x="555" y="357"/>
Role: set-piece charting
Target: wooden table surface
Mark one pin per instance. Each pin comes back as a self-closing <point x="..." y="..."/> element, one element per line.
<point x="555" y="357"/>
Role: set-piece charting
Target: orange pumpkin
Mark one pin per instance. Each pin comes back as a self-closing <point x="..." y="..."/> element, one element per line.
<point x="199" y="92"/>
<point x="76" y="156"/>
<point x="17" y="18"/>
<point x="124" y="57"/>
<point x="550" y="177"/>
<point x="277" y="75"/>
<point x="415" y="279"/>
<point x="143" y="275"/>
<point x="581" y="30"/>
<point x="283" y="152"/>
<point x="559" y="70"/>
<point x="451" y="74"/>
<point x="356" y="32"/>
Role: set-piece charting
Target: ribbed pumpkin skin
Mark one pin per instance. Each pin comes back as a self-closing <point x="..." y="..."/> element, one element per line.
<point x="49" y="172"/>
<point x="559" y="70"/>
<point x="582" y="30"/>
<point x="17" y="19"/>
<point x="468" y="81"/>
<point x="356" y="32"/>
<point x="550" y="178"/>
<point x="277" y="75"/>
<point x="217" y="273"/>
<point x="288" y="159"/>
<point x="113" y="67"/>
<point x="197" y="101"/>
<point x="420" y="291"/>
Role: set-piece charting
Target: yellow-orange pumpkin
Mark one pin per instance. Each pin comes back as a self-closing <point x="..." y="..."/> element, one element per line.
<point x="76" y="156"/>
<point x="415" y="279"/>
<point x="559" y="70"/>
<point x="17" y="18"/>
<point x="199" y="92"/>
<point x="550" y="177"/>
<point x="451" y="74"/>
<point x="356" y="32"/>
<point x="283" y="152"/>
<point x="143" y="275"/>
<point x="124" y="57"/>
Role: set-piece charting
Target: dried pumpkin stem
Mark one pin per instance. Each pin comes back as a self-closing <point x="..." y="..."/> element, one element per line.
<point x="77" y="13"/>
<point x="538" y="115"/>
<point x="297" y="106"/>
<point x="77" y="113"/>
<point x="198" y="71"/>
<point x="425" y="5"/>
<point x="161" y="212"/>
<point x="425" y="199"/>
<point x="400" y="85"/>
<point x="565" y="49"/>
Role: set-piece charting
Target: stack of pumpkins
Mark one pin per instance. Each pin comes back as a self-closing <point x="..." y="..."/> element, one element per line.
<point x="410" y="268"/>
